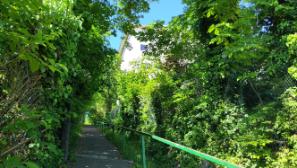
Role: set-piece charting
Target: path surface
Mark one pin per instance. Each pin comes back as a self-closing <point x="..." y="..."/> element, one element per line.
<point x="94" y="151"/>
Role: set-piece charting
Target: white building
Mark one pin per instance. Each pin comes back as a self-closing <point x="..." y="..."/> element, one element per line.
<point x="131" y="51"/>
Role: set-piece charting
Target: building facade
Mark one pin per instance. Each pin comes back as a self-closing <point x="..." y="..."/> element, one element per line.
<point x="131" y="52"/>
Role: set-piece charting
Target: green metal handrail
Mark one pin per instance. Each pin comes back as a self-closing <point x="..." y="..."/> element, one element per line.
<point x="177" y="146"/>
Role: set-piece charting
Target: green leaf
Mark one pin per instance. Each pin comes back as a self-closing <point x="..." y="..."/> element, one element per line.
<point x="34" y="64"/>
<point x="293" y="71"/>
<point x="211" y="28"/>
<point x="39" y="37"/>
<point x="13" y="162"/>
<point x="31" y="165"/>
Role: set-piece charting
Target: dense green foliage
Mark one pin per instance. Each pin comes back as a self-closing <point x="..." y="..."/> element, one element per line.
<point x="222" y="81"/>
<point x="221" y="78"/>
<point x="54" y="57"/>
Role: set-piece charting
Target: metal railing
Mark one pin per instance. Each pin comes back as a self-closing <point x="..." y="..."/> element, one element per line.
<point x="191" y="151"/>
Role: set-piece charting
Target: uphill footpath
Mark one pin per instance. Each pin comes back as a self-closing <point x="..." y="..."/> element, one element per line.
<point x="95" y="151"/>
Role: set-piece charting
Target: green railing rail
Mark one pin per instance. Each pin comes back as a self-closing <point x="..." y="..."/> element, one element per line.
<point x="175" y="145"/>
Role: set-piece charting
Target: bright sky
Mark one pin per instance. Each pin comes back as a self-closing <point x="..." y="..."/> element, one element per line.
<point x="160" y="10"/>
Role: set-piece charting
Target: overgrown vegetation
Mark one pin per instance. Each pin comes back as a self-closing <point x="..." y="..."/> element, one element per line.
<point x="222" y="80"/>
<point x="54" y="57"/>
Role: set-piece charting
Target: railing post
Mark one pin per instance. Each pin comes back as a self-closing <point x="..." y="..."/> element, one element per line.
<point x="143" y="152"/>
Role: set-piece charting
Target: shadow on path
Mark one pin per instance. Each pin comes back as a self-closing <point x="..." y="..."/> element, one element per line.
<point x="94" y="151"/>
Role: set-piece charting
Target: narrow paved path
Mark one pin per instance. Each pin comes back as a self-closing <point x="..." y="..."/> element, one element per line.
<point x="94" y="151"/>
